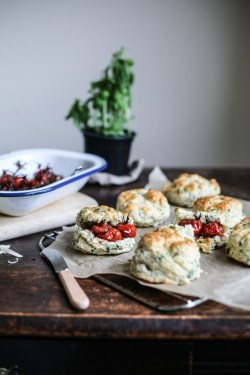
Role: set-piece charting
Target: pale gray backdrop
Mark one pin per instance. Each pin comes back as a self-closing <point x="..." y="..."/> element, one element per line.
<point x="192" y="88"/>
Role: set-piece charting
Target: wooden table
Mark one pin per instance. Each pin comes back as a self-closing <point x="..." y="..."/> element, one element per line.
<point x="40" y="331"/>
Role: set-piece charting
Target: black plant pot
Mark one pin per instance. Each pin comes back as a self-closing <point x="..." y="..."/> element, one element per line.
<point x="114" y="149"/>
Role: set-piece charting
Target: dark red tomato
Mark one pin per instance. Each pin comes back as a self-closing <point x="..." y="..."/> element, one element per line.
<point x="212" y="229"/>
<point x="6" y="178"/>
<point x="196" y="224"/>
<point x="32" y="184"/>
<point x="101" y="228"/>
<point x="15" y="181"/>
<point x="113" y="234"/>
<point x="18" y="182"/>
<point x="127" y="230"/>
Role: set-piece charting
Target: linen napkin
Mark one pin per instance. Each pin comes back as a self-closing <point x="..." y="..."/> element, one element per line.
<point x="110" y="179"/>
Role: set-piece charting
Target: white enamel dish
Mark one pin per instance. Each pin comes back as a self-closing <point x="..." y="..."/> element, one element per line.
<point x="64" y="163"/>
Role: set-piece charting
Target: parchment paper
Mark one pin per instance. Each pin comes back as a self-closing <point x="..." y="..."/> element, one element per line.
<point x="223" y="279"/>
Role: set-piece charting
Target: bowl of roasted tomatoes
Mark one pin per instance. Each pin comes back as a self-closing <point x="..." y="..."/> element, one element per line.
<point x="33" y="178"/>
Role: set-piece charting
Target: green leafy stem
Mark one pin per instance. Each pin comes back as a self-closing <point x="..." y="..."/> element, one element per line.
<point x="108" y="109"/>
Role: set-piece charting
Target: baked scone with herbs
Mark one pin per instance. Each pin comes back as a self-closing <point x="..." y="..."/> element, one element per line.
<point x="238" y="246"/>
<point x="188" y="187"/>
<point x="212" y="219"/>
<point x="229" y="210"/>
<point x="103" y="231"/>
<point x="148" y="207"/>
<point x="168" y="255"/>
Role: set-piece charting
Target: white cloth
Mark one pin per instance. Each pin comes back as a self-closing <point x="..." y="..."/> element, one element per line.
<point x="110" y="179"/>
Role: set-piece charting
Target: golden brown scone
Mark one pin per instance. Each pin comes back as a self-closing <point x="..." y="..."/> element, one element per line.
<point x="219" y="203"/>
<point x="227" y="209"/>
<point x="166" y="256"/>
<point x="238" y="246"/>
<point x="187" y="187"/>
<point x="146" y="207"/>
<point x="224" y="210"/>
<point x="206" y="244"/>
<point x="101" y="214"/>
<point x="86" y="241"/>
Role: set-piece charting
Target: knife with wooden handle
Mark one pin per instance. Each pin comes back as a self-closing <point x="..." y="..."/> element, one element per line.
<point x="76" y="295"/>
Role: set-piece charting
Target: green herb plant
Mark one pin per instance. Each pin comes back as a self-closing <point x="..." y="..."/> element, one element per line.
<point x="107" y="111"/>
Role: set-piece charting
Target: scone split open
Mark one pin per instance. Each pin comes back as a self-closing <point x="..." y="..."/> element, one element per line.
<point x="212" y="220"/>
<point x="103" y="230"/>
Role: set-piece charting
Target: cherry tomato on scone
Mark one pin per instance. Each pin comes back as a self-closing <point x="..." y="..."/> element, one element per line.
<point x="196" y="224"/>
<point x="112" y="234"/>
<point x="127" y="230"/>
<point x="212" y="229"/>
<point x="101" y="228"/>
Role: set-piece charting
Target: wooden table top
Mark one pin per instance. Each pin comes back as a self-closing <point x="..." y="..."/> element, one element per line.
<point x="33" y="302"/>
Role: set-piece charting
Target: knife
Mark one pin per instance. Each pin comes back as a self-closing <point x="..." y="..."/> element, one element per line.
<point x="76" y="295"/>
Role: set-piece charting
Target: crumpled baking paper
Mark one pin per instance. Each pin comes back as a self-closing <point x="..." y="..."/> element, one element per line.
<point x="156" y="179"/>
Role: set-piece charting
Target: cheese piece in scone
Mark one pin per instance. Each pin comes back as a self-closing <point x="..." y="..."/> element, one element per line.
<point x="168" y="255"/>
<point x="238" y="246"/>
<point x="103" y="231"/>
<point x="147" y="207"/>
<point x="216" y="216"/>
<point x="187" y="187"/>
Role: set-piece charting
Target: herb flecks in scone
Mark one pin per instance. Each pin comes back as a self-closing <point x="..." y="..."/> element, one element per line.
<point x="167" y="255"/>
<point x="104" y="230"/>
<point x="238" y="247"/>
<point x="212" y="219"/>
<point x="186" y="188"/>
<point x="148" y="207"/>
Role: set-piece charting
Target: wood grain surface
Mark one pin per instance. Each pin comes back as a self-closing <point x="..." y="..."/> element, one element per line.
<point x="33" y="302"/>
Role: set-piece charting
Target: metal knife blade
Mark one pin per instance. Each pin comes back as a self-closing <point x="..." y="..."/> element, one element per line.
<point x="55" y="258"/>
<point x="76" y="295"/>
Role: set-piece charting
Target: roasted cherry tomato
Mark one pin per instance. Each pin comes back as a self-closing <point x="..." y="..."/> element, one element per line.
<point x="127" y="230"/>
<point x="196" y="224"/>
<point x="113" y="234"/>
<point x="212" y="229"/>
<point x="101" y="228"/>
<point x="17" y="181"/>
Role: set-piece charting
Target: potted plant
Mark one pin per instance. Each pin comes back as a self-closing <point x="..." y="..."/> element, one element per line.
<point x="105" y="116"/>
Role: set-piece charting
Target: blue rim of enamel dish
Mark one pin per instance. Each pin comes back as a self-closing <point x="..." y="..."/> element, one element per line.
<point x="53" y="186"/>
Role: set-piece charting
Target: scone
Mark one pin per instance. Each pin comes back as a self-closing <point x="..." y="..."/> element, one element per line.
<point x="168" y="255"/>
<point x="103" y="230"/>
<point x="186" y="188"/>
<point x="228" y="209"/>
<point x="238" y="246"/>
<point x="212" y="219"/>
<point x="147" y="207"/>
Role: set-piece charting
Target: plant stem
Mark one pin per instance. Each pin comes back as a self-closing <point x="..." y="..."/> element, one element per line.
<point x="104" y="114"/>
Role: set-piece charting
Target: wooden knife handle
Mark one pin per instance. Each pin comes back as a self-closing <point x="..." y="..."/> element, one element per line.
<point x="76" y="295"/>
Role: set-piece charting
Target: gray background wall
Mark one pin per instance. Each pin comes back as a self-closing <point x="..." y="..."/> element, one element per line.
<point x="192" y="88"/>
